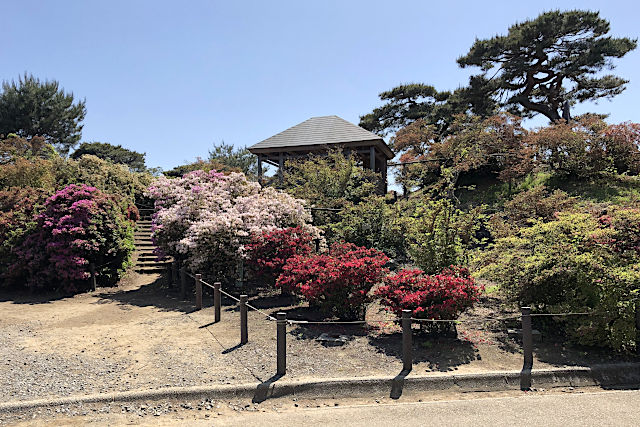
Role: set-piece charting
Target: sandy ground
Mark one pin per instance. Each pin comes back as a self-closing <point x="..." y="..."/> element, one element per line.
<point x="140" y="335"/>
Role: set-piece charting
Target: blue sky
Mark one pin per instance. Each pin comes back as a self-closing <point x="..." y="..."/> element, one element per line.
<point x="171" y="78"/>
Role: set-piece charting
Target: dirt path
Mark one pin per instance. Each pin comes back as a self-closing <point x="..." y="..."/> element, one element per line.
<point x="131" y="337"/>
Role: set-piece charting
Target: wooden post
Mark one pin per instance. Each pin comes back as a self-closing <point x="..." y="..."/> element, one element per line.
<point x="174" y="273"/>
<point x="407" y="350"/>
<point x="527" y="349"/>
<point x="244" y="333"/>
<point x="198" y="291"/>
<point x="385" y="183"/>
<point x="281" y="168"/>
<point x="260" y="169"/>
<point x="183" y="282"/>
<point x="638" y="326"/>
<point x="372" y="158"/>
<point x="92" y="270"/>
<point x="216" y="301"/>
<point x="281" y="329"/>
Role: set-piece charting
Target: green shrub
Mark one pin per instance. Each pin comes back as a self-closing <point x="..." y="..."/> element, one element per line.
<point x="374" y="223"/>
<point x="577" y="262"/>
<point x="527" y="207"/>
<point x="440" y="235"/>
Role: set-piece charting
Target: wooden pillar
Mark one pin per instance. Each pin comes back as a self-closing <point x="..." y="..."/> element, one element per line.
<point x="372" y="158"/>
<point x="385" y="183"/>
<point x="260" y="168"/>
<point x="281" y="168"/>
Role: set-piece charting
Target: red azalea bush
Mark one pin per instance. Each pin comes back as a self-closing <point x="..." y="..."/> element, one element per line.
<point x="77" y="226"/>
<point x="269" y="251"/>
<point x="338" y="282"/>
<point x="442" y="296"/>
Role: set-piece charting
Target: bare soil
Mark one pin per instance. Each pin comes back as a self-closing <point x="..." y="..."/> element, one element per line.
<point x="140" y="335"/>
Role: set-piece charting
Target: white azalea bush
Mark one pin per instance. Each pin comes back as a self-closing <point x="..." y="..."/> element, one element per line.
<point x="206" y="219"/>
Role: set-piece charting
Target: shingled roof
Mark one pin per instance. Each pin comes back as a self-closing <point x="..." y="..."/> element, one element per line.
<point x="320" y="131"/>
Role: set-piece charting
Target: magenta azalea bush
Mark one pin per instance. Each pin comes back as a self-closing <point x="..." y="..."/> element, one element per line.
<point x="207" y="219"/>
<point x="78" y="225"/>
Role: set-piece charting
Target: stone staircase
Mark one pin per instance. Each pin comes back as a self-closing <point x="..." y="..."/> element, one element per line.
<point x="146" y="260"/>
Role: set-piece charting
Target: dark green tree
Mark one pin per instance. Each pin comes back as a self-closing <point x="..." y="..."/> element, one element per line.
<point x="30" y="107"/>
<point x="112" y="153"/>
<point x="546" y="65"/>
<point x="408" y="103"/>
<point x="234" y="158"/>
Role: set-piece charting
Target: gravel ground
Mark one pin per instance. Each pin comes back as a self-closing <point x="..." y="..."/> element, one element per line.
<point x="141" y="336"/>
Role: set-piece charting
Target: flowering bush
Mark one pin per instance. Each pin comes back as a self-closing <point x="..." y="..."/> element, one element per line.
<point x="442" y="296"/>
<point x="207" y="218"/>
<point x="77" y="226"/>
<point x="18" y="206"/>
<point x="269" y="251"/>
<point x="338" y="282"/>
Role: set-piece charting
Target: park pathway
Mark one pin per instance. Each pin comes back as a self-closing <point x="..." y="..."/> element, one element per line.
<point x="146" y="261"/>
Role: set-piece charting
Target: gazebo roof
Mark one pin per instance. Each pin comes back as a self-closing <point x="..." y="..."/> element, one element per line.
<point x="321" y="132"/>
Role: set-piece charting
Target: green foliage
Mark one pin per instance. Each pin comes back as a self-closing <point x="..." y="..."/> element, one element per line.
<point x="576" y="262"/>
<point x="13" y="147"/>
<point x="30" y="107"/>
<point x="112" y="153"/>
<point x="51" y="172"/>
<point x="111" y="178"/>
<point x="408" y="103"/>
<point x="548" y="63"/>
<point x="527" y="207"/>
<point x="237" y="159"/>
<point x="440" y="235"/>
<point x="199" y="164"/>
<point x="333" y="181"/>
<point x="374" y="223"/>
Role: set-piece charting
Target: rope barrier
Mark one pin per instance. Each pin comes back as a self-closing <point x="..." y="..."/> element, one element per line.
<point x="563" y="314"/>
<point x="413" y="319"/>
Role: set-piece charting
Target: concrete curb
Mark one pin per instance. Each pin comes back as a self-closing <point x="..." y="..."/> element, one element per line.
<point x="621" y="374"/>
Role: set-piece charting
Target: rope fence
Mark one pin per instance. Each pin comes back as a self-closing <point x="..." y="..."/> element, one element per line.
<point x="405" y="320"/>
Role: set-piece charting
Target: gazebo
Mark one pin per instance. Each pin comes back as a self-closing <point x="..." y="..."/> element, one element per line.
<point x="318" y="135"/>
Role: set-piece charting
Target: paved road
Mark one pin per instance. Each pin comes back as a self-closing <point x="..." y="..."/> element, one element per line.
<point x="611" y="408"/>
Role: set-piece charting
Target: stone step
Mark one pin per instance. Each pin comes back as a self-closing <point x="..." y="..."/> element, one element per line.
<point x="153" y="264"/>
<point x="151" y="270"/>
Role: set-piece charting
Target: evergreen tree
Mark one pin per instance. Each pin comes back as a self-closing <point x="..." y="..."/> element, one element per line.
<point x="112" y="153"/>
<point x="546" y="65"/>
<point x="31" y="108"/>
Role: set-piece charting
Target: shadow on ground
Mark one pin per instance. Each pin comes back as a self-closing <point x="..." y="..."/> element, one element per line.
<point x="26" y="297"/>
<point x="440" y="353"/>
<point x="154" y="294"/>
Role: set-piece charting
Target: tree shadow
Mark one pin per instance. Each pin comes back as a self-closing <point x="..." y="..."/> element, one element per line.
<point x="24" y="296"/>
<point x="154" y="294"/>
<point x="441" y="354"/>
<point x="559" y="352"/>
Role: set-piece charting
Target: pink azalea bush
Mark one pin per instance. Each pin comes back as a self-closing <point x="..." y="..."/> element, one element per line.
<point x="78" y="225"/>
<point x="207" y="218"/>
